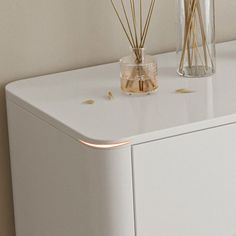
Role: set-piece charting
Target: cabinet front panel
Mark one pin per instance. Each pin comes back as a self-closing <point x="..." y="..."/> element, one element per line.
<point x="64" y="188"/>
<point x="186" y="185"/>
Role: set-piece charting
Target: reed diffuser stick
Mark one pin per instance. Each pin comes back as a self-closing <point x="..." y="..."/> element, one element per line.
<point x="141" y="17"/>
<point x="127" y="21"/>
<point x="122" y="24"/>
<point x="148" y="23"/>
<point x="133" y="11"/>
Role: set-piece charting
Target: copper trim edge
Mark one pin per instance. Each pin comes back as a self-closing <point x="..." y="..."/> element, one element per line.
<point x="104" y="146"/>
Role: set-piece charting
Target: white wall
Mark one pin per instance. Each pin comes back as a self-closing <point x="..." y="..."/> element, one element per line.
<point x="44" y="36"/>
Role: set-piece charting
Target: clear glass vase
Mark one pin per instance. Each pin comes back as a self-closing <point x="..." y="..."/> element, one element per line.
<point x="196" y="38"/>
<point x="138" y="73"/>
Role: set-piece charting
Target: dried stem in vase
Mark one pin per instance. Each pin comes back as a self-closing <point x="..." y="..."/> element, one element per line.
<point x="197" y="53"/>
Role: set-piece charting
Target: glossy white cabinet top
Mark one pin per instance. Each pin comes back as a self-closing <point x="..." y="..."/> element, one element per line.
<point x="58" y="98"/>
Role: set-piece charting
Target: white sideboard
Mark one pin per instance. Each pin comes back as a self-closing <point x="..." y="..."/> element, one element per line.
<point x="162" y="164"/>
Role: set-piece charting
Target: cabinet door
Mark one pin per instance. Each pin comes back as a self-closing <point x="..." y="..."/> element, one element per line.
<point x="186" y="185"/>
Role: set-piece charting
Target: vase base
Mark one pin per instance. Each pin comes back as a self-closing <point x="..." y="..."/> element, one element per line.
<point x="139" y="86"/>
<point x="196" y="72"/>
<point x="140" y="93"/>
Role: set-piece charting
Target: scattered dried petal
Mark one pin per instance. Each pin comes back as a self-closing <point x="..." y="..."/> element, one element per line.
<point x="88" y="102"/>
<point x="184" y="90"/>
<point x="110" y="95"/>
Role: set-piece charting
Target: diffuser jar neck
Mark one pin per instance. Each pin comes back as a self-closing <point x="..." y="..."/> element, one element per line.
<point x="138" y="54"/>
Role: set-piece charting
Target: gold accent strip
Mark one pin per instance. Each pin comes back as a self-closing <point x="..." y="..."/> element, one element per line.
<point x="104" y="146"/>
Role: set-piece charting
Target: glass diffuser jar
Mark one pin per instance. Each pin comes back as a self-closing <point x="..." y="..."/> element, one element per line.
<point x="196" y="38"/>
<point x="138" y="73"/>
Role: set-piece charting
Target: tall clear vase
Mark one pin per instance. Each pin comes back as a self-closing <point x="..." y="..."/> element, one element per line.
<point x="196" y="38"/>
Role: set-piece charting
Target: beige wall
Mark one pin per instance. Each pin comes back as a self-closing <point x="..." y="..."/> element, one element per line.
<point x="45" y="36"/>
